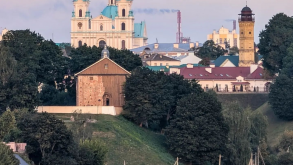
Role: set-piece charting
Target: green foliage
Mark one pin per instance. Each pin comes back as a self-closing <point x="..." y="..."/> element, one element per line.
<point x="286" y="141"/>
<point x="209" y="50"/>
<point x="274" y="41"/>
<point x="197" y="134"/>
<point x="285" y="159"/>
<point x="7" y="123"/>
<point x="92" y="152"/>
<point x="205" y="61"/>
<point x="46" y="137"/>
<point x="247" y="133"/>
<point x="50" y="96"/>
<point x="151" y="97"/>
<point x="234" y="50"/>
<point x="7" y="157"/>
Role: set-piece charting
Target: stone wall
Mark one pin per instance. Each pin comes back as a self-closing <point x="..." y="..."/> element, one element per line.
<point x="110" y="110"/>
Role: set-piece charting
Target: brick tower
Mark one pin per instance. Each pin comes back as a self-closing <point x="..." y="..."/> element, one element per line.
<point x="246" y="31"/>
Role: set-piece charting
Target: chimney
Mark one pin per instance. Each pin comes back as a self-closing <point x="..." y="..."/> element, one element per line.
<point x="253" y="67"/>
<point x="196" y="44"/>
<point x="208" y="70"/>
<point x="156" y="45"/>
<point x="176" y="45"/>
<point x="189" y="65"/>
<point x="212" y="65"/>
<point x="191" y="45"/>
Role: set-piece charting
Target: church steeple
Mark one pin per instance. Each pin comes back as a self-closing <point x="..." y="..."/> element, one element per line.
<point x="112" y="2"/>
<point x="105" y="52"/>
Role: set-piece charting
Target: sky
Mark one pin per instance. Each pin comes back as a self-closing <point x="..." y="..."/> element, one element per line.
<point x="51" y="18"/>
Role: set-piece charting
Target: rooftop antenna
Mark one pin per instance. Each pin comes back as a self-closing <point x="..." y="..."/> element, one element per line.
<point x="246" y="3"/>
<point x="157" y="40"/>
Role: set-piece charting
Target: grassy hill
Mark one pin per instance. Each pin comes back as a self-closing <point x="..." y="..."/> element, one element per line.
<point x="276" y="126"/>
<point x="126" y="141"/>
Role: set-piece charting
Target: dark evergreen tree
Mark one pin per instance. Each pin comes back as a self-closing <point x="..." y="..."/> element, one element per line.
<point x="197" y="134"/>
<point x="209" y="50"/>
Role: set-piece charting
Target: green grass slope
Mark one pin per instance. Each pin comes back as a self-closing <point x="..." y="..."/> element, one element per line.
<point x="126" y="141"/>
<point x="276" y="126"/>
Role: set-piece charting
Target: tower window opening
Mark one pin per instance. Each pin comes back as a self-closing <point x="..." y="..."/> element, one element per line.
<point x="101" y="28"/>
<point x="111" y="2"/>
<point x="123" y="26"/>
<point x="123" y="12"/>
<point x="79" y="43"/>
<point x="80" y="13"/>
<point x="123" y="44"/>
<point x="249" y="32"/>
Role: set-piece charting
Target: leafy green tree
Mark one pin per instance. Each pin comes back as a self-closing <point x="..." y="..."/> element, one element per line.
<point x="209" y="50"/>
<point x="274" y="41"/>
<point x="286" y="141"/>
<point x="46" y="137"/>
<point x="7" y="157"/>
<point x="92" y="152"/>
<point x="197" y="133"/>
<point x="281" y="91"/>
<point x="258" y="130"/>
<point x="237" y="119"/>
<point x="234" y="50"/>
<point x="7" y="123"/>
<point x="205" y="61"/>
<point x="285" y="159"/>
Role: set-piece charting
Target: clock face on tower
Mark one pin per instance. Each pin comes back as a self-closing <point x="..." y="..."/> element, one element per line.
<point x="79" y="25"/>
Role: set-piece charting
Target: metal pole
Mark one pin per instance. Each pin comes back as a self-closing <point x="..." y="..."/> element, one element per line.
<point x="220" y="157"/>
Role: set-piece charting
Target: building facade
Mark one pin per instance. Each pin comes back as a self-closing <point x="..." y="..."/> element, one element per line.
<point x="225" y="35"/>
<point x="246" y="29"/>
<point x="114" y="26"/>
<point x="101" y="84"/>
<point x="4" y="31"/>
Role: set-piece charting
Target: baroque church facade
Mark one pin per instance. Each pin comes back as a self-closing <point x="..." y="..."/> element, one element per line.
<point x="114" y="26"/>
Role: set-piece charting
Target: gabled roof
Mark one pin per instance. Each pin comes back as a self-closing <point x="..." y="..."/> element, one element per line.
<point x="98" y="68"/>
<point x="164" y="47"/>
<point x="220" y="60"/>
<point x="157" y="57"/>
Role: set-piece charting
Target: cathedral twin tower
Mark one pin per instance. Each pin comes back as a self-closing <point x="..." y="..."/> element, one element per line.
<point x="114" y="26"/>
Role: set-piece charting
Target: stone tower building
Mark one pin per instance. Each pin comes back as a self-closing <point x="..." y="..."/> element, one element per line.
<point x="246" y="31"/>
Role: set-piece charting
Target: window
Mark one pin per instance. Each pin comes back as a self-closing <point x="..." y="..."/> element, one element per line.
<point x="155" y="64"/>
<point x="101" y="27"/>
<point x="249" y="32"/>
<point x="123" y="44"/>
<point x="102" y="43"/>
<point x="112" y="2"/>
<point x="90" y="24"/>
<point x="161" y="64"/>
<point x="106" y="66"/>
<point x="79" y="43"/>
<point x="241" y="32"/>
<point x="91" y="78"/>
<point x="80" y="13"/>
<point x="123" y="12"/>
<point x="123" y="26"/>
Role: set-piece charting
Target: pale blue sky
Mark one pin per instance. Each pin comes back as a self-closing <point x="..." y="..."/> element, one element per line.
<point x="199" y="17"/>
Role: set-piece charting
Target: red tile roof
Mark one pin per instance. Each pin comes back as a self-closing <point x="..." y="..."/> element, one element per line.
<point x="224" y="73"/>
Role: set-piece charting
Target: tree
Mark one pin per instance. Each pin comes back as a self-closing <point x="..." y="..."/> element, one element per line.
<point x="209" y="50"/>
<point x="47" y="137"/>
<point x="285" y="159"/>
<point x="205" y="61"/>
<point x="274" y="41"/>
<point x="234" y="50"/>
<point x="7" y="123"/>
<point x="197" y="133"/>
<point x="7" y="157"/>
<point x="286" y="141"/>
<point x="238" y="149"/>
<point x="92" y="152"/>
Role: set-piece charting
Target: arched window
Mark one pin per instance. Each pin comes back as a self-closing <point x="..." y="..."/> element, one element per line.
<point x="79" y="43"/>
<point x="123" y="26"/>
<point x="102" y="43"/>
<point x="123" y="44"/>
<point x="80" y="13"/>
<point x="90" y="24"/>
<point x="123" y="12"/>
<point x="112" y="2"/>
<point x="101" y="27"/>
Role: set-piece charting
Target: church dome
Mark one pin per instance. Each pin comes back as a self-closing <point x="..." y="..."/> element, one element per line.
<point x="110" y="12"/>
<point x="246" y="9"/>
<point x="105" y="53"/>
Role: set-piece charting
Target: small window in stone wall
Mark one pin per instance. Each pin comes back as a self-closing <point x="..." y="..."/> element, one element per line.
<point x="91" y="78"/>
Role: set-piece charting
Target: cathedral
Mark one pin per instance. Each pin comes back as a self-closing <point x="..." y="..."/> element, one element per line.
<point x="114" y="26"/>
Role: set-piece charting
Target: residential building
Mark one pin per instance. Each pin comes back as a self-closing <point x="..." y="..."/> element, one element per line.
<point x="227" y="78"/>
<point x="168" y="49"/>
<point x="225" y="35"/>
<point x="158" y="60"/>
<point x="114" y="26"/>
<point x="246" y="28"/>
<point x="101" y="84"/>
